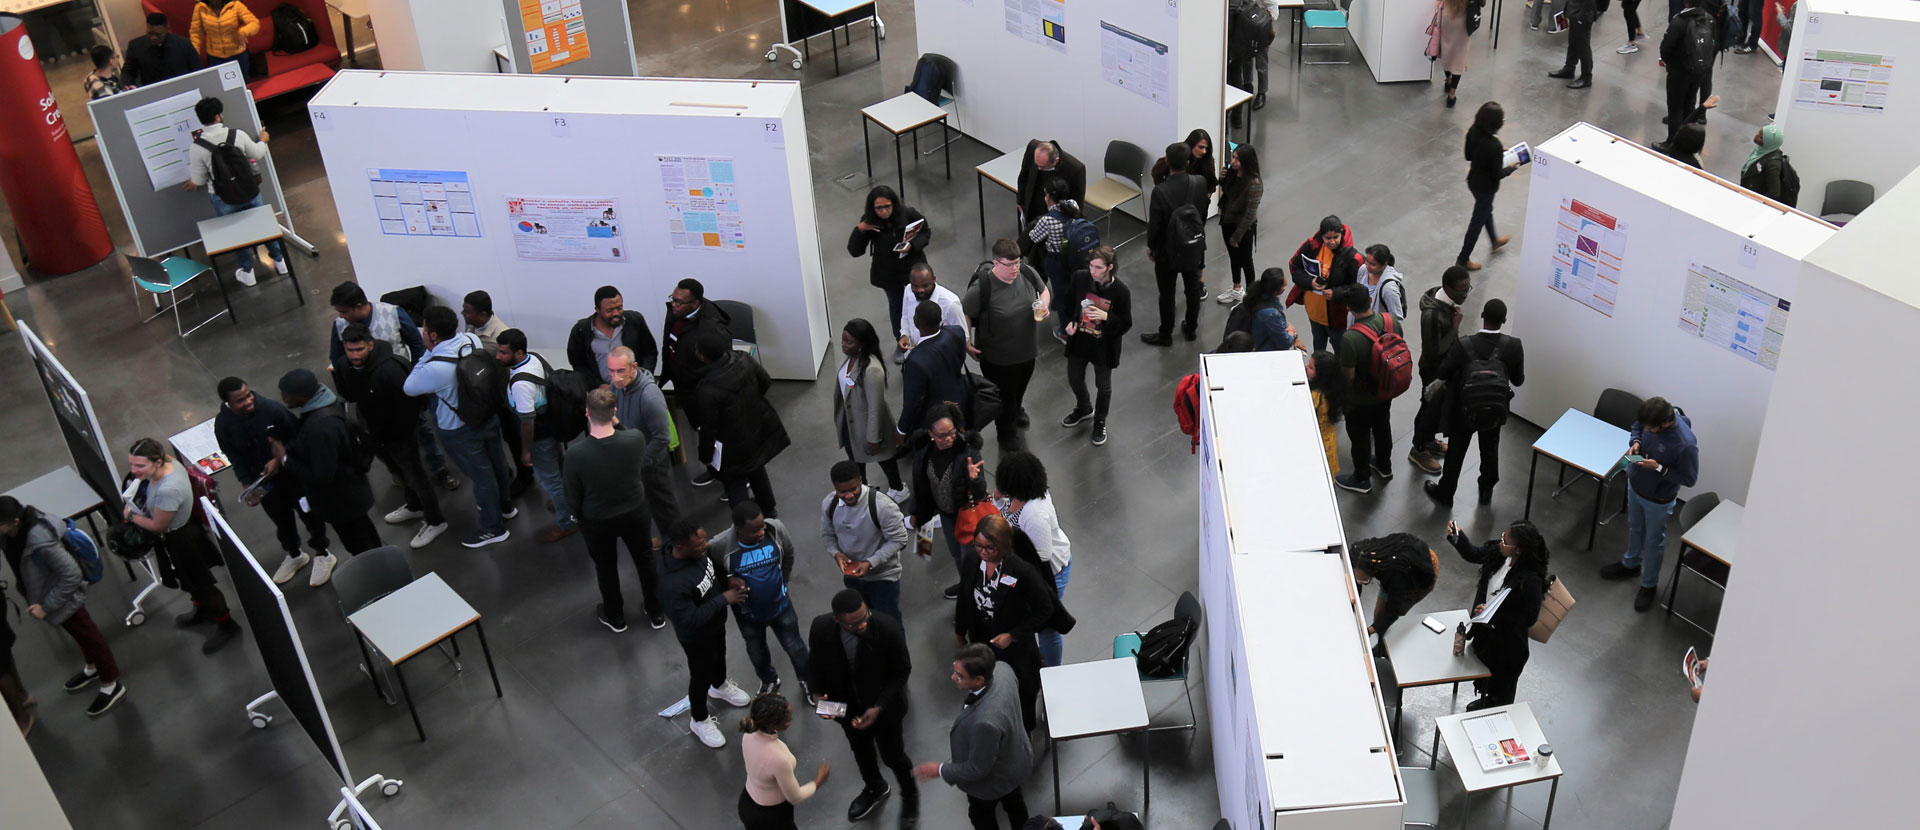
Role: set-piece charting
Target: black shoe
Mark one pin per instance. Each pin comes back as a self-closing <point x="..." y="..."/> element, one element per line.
<point x="222" y="635"/>
<point x="1480" y="703"/>
<point x="614" y="624"/>
<point x="1346" y="481"/>
<point x="1486" y="497"/>
<point x="80" y="681"/>
<point x="1024" y="420"/>
<point x="105" y="700"/>
<point x="1644" y="600"/>
<point x="1615" y="570"/>
<point x="864" y="803"/>
<point x="1450" y="101"/>
<point x="1432" y="489"/>
<point x="1260" y="101"/>
<point x="657" y="622"/>
<point x="447" y="481"/>
<point x="952" y="591"/>
<point x="1562" y="73"/>
<point x="1076" y="417"/>
<point x="1190" y="333"/>
<point x="703" y="478"/>
<point x="768" y="688"/>
<point x="1154" y="338"/>
<point x="1700" y="119"/>
<point x="1667" y="120"/>
<point x="1660" y="147"/>
<point x="1581" y="83"/>
<point x="1385" y="473"/>
<point x="1099" y="433"/>
<point x="191" y="618"/>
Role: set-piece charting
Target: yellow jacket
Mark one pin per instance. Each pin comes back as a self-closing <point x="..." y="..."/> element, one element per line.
<point x="222" y="33"/>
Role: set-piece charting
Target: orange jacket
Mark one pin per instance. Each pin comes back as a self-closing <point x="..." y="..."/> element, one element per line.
<point x="222" y="33"/>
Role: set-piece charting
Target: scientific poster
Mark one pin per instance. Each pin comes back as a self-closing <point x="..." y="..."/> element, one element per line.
<point x="1589" y="247"/>
<point x="1135" y="63"/>
<point x="556" y="33"/>
<point x="703" y="203"/>
<point x="1729" y="314"/>
<point x="1843" y="81"/>
<point x="1039" y="21"/>
<point x="424" y="203"/>
<point x="566" y="228"/>
<point x="164" y="130"/>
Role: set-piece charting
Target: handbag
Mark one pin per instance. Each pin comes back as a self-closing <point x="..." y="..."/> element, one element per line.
<point x="1433" y="35"/>
<point x="967" y="521"/>
<point x="984" y="403"/>
<point x="1553" y="608"/>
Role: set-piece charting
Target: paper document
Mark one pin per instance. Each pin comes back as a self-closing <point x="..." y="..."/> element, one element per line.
<point x="1486" y="614"/>
<point x="199" y="446"/>
<point x="1310" y="265"/>
<point x="1517" y="154"/>
<point x="163" y="130"/>
<point x="1690" y="667"/>
<point x="1495" y="741"/>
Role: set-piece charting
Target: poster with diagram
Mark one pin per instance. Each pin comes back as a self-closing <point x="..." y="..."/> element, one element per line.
<point x="163" y="130"/>
<point x="566" y="228"/>
<point x="424" y="202"/>
<point x="1039" y="21"/>
<point x="1135" y="63"/>
<point x="703" y="203"/>
<point x="1589" y="247"/>
<point x="1729" y="314"/>
<point x="1843" y="81"/>
<point x="556" y="33"/>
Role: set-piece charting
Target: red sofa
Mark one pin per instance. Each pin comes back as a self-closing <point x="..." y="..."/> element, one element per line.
<point x="275" y="73"/>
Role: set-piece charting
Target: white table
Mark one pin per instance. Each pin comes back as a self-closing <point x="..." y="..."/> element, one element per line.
<point x="1585" y="443"/>
<point x="1474" y="779"/>
<point x="1422" y="658"/>
<point x="199" y="446"/>
<point x="1085" y="700"/>
<point x="241" y="231"/>
<point x="61" y="493"/>
<point x="348" y="10"/>
<point x="1005" y="172"/>
<point x="899" y="115"/>
<point x="415" y="618"/>
<point x="832" y="11"/>
<point x="1718" y="536"/>
<point x="1234" y="98"/>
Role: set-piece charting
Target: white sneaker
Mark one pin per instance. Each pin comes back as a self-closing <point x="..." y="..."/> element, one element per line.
<point x="899" y="496"/>
<point x="280" y="267"/>
<point x="244" y="276"/>
<point x="427" y="534"/>
<point x="1628" y="49"/>
<point x="1230" y="296"/>
<point x="708" y="731"/>
<point x="290" y="566"/>
<point x="730" y="693"/>
<point x="510" y="513"/>
<point x="322" y="570"/>
<point x="401" y="515"/>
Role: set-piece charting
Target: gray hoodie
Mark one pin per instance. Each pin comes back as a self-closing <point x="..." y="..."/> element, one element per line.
<point x="850" y="529"/>
<point x="49" y="577"/>
<point x="641" y="406"/>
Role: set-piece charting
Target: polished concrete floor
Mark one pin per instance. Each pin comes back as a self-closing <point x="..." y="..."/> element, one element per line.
<point x="575" y="741"/>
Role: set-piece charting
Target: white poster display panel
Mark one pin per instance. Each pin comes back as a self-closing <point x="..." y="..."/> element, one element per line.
<point x="1135" y="63"/>
<point x="1589" y="247"/>
<point x="164" y="132"/>
<point x="1846" y="104"/>
<point x="1854" y="82"/>
<point x="424" y="202"/>
<point x="562" y="228"/>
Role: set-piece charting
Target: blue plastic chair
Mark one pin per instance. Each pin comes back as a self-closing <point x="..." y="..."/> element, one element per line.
<point x="1128" y="645"/>
<point x="168" y="276"/>
<point x="1334" y="18"/>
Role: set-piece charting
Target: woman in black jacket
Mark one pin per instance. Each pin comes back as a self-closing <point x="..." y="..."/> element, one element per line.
<point x="1484" y="173"/>
<point x="1501" y="642"/>
<point x="946" y="477"/>
<point x="1004" y="602"/>
<point x="1102" y="312"/>
<point x="1199" y="163"/>
<point x="1406" y="570"/>
<point x="883" y="234"/>
<point x="1240" y="193"/>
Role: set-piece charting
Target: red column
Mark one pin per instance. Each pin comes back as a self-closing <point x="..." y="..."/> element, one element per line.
<point x="53" y="206"/>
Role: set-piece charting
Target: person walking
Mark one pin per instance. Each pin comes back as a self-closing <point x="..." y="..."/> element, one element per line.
<point x="1456" y="45"/>
<point x="1240" y="193"/>
<point x="694" y="590"/>
<point x="1177" y="260"/>
<point x="159" y="54"/>
<point x="736" y="418"/>
<point x="895" y="238"/>
<point x="922" y="287"/>
<point x="1330" y="402"/>
<point x="1004" y="603"/>
<point x="372" y="380"/>
<point x="1580" y="16"/>
<point x="935" y="372"/>
<point x="241" y="428"/>
<point x="946" y="480"/>
<point x="640" y="405"/>
<point x="1406" y="569"/>
<point x="162" y="505"/>
<point x="1501" y="642"/>
<point x="1663" y="456"/>
<point x="1484" y="155"/>
<point x="1689" y="48"/>
<point x="220" y="30"/>
<point x="1440" y="317"/>
<point x="863" y="421"/>
<point x="1764" y="170"/>
<point x="1320" y="267"/>
<point x="476" y="448"/>
<point x="609" y="327"/>
<point x="1027" y="504"/>
<point x="319" y="453"/>
<point x="867" y="535"/>
<point x="1630" y="9"/>
<point x="1102" y="310"/>
<point x="55" y="590"/>
<point x="690" y="318"/>
<point x="1370" y="420"/>
<point x="766" y="802"/>
<point x="1005" y="303"/>
<point x="603" y="475"/>
<point x="991" y="754"/>
<point x="527" y="376"/>
<point x="759" y="552"/>
<point x="860" y="658"/>
<point x="214" y="134"/>
<point x="1478" y="377"/>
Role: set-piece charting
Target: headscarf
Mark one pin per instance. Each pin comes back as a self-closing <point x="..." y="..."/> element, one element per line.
<point x="1771" y="137"/>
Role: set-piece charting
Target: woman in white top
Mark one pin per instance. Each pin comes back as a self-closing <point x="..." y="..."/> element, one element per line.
<point x="1022" y="484"/>
<point x="767" y="801"/>
<point x="1384" y="283"/>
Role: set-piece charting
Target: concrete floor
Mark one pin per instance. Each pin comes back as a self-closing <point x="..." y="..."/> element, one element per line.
<point x="575" y="742"/>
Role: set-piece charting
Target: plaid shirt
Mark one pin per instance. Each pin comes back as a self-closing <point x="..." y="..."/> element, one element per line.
<point x="1051" y="229"/>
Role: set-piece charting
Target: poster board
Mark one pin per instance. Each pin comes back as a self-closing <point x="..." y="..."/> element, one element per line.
<point x="79" y="425"/>
<point x="167" y="220"/>
<point x="602" y="142"/>
<point x="1664" y="227"/>
<point x="1834" y="140"/>
<point x="570" y="37"/>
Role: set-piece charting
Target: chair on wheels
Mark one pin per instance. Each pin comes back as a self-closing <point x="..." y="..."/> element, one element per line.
<point x="1333" y="19"/>
<point x="1844" y="200"/>
<point x="363" y="579"/>
<point x="1423" y="796"/>
<point x="168" y="276"/>
<point x="1621" y="409"/>
<point x="1125" y="168"/>
<point x="948" y="96"/>
<point x="1704" y="566"/>
<point x="1187" y="609"/>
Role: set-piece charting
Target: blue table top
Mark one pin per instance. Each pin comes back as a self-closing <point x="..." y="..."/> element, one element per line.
<point x="1584" y="442"/>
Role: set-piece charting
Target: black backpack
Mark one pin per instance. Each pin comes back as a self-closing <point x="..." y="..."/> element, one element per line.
<point x="566" y="412"/>
<point x="232" y="177"/>
<point x="1081" y="237"/>
<point x="929" y="80"/>
<point x="360" y="443"/>
<point x="1485" y="391"/>
<point x="1474" y="7"/>
<point x="1249" y="29"/>
<point x="1186" y="242"/>
<point x="1164" y="648"/>
<point x="1702" y="45"/>
<point x="1789" y="182"/>
<point x="480" y="384"/>
<point x="293" y="30"/>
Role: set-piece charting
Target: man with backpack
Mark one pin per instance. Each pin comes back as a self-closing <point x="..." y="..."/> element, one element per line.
<point x="1005" y="302"/>
<point x="465" y="383"/>
<point x="1250" y="31"/>
<point x="222" y="160"/>
<point x="1440" y="317"/>
<point x="535" y="395"/>
<point x="55" y="569"/>
<point x="642" y="407"/>
<point x="1476" y="383"/>
<point x="867" y="534"/>
<point x="1689" y="48"/>
<point x="329" y="459"/>
<point x="1064" y="241"/>
<point x="372" y="380"/>
<point x="1177" y="244"/>
<point x="1378" y="367"/>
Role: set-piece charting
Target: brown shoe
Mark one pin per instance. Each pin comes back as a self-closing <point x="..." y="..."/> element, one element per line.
<point x="1425" y="461"/>
<point x="1470" y="265"/>
<point x="555" y="534"/>
<point x="1501" y="242"/>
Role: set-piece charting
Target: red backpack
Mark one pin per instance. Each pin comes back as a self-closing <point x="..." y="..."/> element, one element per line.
<point x="1392" y="368"/>
<point x="1186" y="408"/>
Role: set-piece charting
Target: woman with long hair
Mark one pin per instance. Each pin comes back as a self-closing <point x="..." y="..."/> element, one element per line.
<point x="1101" y="308"/>
<point x="1456" y="44"/>
<point x="862" y="418"/>
<point x="1021" y="481"/>
<point x="1329" y="387"/>
<point x="1199" y="163"/>
<point x="1049" y="232"/>
<point x="1501" y="642"/>
<point x="887" y="232"/>
<point x="55" y="589"/>
<point x="1406" y="569"/>
<point x="766" y="802"/>
<point x="1484" y="172"/>
<point x="163" y="506"/>
<point x="946" y="478"/>
<point x="1240" y="193"/>
<point x="1003" y="604"/>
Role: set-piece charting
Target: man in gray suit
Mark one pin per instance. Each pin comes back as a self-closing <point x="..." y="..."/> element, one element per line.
<point x="991" y="756"/>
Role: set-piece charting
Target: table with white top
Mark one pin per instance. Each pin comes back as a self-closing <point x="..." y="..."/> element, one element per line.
<point x="1234" y="98"/>
<point x="62" y="493"/>
<point x="1085" y="700"/>
<point x="1005" y="172"/>
<point x="838" y="15"/>
<point x="415" y="618"/>
<point x="1718" y="536"/>
<point x="902" y="114"/>
<point x="1423" y="658"/>
<point x="241" y="231"/>
<point x="1587" y="444"/>
<point x="1473" y="779"/>
<point x="348" y="10"/>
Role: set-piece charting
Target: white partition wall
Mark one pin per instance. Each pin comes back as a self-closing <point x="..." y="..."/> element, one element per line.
<point x="1850" y="100"/>
<point x="437" y="35"/>
<point x="1392" y="37"/>
<point x="24" y="789"/>
<point x="1767" y="721"/>
<point x="540" y="189"/>
<point x="1644" y="274"/>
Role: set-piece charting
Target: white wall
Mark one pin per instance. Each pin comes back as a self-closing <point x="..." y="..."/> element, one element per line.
<point x="9" y="274"/>
<point x="437" y="35"/>
<point x="1827" y="144"/>
<point x="23" y="787"/>
<point x="1808" y="708"/>
<point x="1390" y="34"/>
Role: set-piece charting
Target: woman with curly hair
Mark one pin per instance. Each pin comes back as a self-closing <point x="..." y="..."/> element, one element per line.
<point x="1519" y="561"/>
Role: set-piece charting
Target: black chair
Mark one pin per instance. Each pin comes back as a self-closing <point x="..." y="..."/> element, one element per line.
<point x="362" y="580"/>
<point x="1706" y="567"/>
<point x="739" y="320"/>
<point x="1389" y="690"/>
<point x="1125" y="178"/>
<point x="1128" y="645"/>
<point x="1845" y="199"/>
<point x="947" y="96"/>
<point x="1619" y="408"/>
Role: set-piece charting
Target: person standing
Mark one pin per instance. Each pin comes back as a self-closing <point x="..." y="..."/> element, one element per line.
<point x="1580" y="16"/>
<point x="476" y="310"/>
<point x="1385" y="284"/>
<point x="1456" y="45"/>
<point x="1669" y="459"/>
<point x="922" y="287"/>
<point x="694" y="590"/>
<point x="1102" y="310"/>
<point x="1406" y="569"/>
<point x="162" y="506"/>
<point x="105" y="79"/>
<point x="735" y="417"/>
<point x="759" y="552"/>
<point x="1478" y="377"/>
<point x="388" y="322"/>
<point x="1747" y="38"/>
<point x="1630" y="9"/>
<point x="476" y="448"/>
<point x="1046" y="243"/>
<point x="1485" y="155"/>
<point x="946" y="479"/>
<point x="1199" y="162"/>
<point x="867" y="534"/>
<point x="641" y="406"/>
<point x="609" y="327"/>
<point x="1688" y="50"/>
<point x="1240" y="193"/>
<point x="55" y="590"/>
<point x="241" y="427"/>
<point x="1322" y="265"/>
<point x="1764" y="168"/>
<point x="159" y="54"/>
<point x="319" y="453"/>
<point x="1177" y="260"/>
<point x="1004" y="603"/>
<point x="895" y="237"/>
<point x="1370" y="419"/>
<point x="372" y="380"/>
<point x="861" y="659"/>
<point x="1501" y="643"/>
<point x="935" y="372"/>
<point x="991" y="755"/>
<point x="215" y="134"/>
<point x="1028" y="506"/>
<point x="527" y="376"/>
<point x="766" y="802"/>
<point x="1330" y="402"/>
<point x="863" y="422"/>
<point x="220" y="29"/>
<point x="1042" y="162"/>
<point x="690" y="316"/>
<point x="1440" y="317"/>
<point x="603" y="474"/>
<point x="1005" y="303"/>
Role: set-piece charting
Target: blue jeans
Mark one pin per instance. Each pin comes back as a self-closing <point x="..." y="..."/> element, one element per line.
<point x="883" y="597"/>
<point x="245" y="255"/>
<point x="477" y="451"/>
<point x="1052" y="646"/>
<point x="546" y="471"/>
<point x="430" y="454"/>
<point x="1646" y="537"/>
<point x="786" y="627"/>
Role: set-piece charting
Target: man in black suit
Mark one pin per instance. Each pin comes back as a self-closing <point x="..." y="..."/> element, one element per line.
<point x="935" y="369"/>
<point x="860" y="658"/>
<point x="159" y="54"/>
<point x="1045" y="160"/>
<point x="1473" y="402"/>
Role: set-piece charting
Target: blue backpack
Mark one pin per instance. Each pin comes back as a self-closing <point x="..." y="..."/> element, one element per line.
<point x="1082" y="237"/>
<point x="84" y="552"/>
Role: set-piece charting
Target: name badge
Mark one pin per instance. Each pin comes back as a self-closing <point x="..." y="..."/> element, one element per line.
<point x="1009" y="581"/>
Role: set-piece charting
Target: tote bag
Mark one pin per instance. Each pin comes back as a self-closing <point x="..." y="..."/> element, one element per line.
<point x="1553" y="608"/>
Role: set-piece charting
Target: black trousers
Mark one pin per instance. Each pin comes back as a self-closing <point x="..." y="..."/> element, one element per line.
<point x="662" y="501"/>
<point x="1482" y="220"/>
<point x="282" y="504"/>
<point x="1165" y="275"/>
<point x="706" y="664"/>
<point x="356" y="533"/>
<point x="402" y="457"/>
<point x="754" y="816"/>
<point x="1102" y="383"/>
<point x="1014" y="804"/>
<point x="1630" y="9"/>
<point x="1580" y="47"/>
<point x="1240" y="257"/>
<point x="1457" y="442"/>
<point x="603" y="538"/>
<point x="738" y="482"/>
<point x="1685" y="92"/>
<point x="1426" y="420"/>
<point x="1023" y="655"/>
<point x="1750" y="11"/>
<point x="1370" y="423"/>
<point x="193" y="556"/>
<point x="1012" y="378"/>
<point x="1505" y="657"/>
<point x="884" y="741"/>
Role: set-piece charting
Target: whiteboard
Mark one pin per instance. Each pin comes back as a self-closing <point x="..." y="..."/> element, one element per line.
<point x="1674" y="216"/>
<point x="585" y="138"/>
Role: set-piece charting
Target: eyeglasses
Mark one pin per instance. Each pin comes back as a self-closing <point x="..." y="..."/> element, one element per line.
<point x="1006" y="263"/>
<point x="855" y="625"/>
<point x="677" y="302"/>
<point x="943" y="436"/>
<point x="882" y="207"/>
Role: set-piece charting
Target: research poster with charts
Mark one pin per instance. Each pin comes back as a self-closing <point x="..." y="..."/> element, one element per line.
<point x="1847" y="81"/>
<point x="1039" y="21"/>
<point x="1135" y="63"/>
<point x="566" y="228"/>
<point x="1732" y="315"/>
<point x="424" y="202"/>
<point x="556" y="33"/>
<point x="1589" y="247"/>
<point x="164" y="131"/>
<point x="703" y="203"/>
